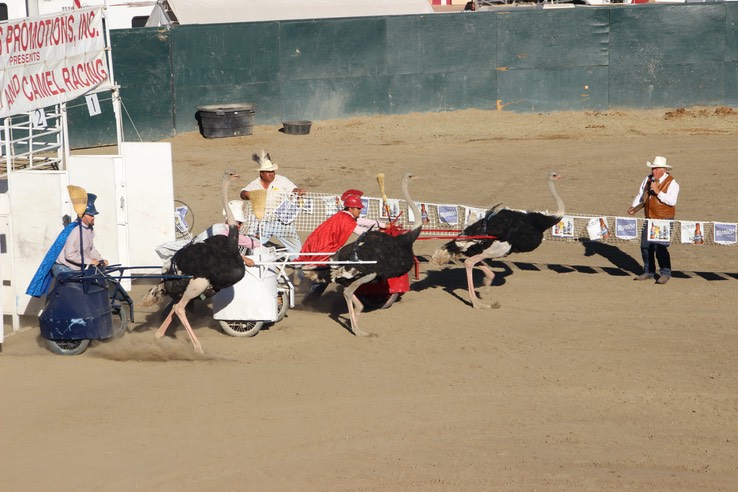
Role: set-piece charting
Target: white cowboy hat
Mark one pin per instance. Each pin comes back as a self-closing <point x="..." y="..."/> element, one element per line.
<point x="236" y="207"/>
<point x="658" y="161"/>
<point x="264" y="161"/>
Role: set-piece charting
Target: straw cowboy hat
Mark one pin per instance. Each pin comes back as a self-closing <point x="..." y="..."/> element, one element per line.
<point x="658" y="162"/>
<point x="264" y="161"/>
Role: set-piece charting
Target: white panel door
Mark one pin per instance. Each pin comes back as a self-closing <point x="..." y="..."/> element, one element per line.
<point x="38" y="203"/>
<point x="150" y="190"/>
<point x="103" y="175"/>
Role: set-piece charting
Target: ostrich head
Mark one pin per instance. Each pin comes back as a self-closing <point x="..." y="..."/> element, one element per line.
<point x="404" y="186"/>
<point x="229" y="176"/>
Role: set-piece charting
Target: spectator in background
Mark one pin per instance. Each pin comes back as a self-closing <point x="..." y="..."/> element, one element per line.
<point x="278" y="188"/>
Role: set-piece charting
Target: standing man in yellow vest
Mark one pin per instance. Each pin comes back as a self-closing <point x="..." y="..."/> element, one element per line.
<point x="658" y="197"/>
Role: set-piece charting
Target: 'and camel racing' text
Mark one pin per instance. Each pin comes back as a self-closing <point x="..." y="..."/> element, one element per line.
<point x="51" y="82"/>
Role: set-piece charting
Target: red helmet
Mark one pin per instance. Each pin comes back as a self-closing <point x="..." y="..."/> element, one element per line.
<point x="352" y="201"/>
<point x="348" y="193"/>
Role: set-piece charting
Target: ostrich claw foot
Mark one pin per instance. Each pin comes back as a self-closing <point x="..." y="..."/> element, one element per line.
<point x="478" y="304"/>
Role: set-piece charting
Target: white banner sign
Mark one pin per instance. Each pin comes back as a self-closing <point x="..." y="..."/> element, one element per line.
<point x="565" y="227"/>
<point x="49" y="60"/>
<point x="626" y="228"/>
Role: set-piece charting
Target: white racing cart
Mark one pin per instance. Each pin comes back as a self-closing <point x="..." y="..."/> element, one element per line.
<point x="261" y="297"/>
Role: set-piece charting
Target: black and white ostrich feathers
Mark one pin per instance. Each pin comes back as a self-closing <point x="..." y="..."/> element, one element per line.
<point x="212" y="265"/>
<point x="393" y="255"/>
<point x="504" y="231"/>
<point x="264" y="160"/>
<point x="216" y="259"/>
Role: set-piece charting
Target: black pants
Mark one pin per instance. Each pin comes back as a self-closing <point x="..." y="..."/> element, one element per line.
<point x="653" y="252"/>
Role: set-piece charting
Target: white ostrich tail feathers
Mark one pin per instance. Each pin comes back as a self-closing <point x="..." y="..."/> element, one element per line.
<point x="154" y="296"/>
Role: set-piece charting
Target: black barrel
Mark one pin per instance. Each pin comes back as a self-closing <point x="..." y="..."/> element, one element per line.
<point x="226" y="120"/>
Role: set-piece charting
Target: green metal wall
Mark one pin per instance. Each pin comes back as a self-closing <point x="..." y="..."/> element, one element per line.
<point x="525" y="59"/>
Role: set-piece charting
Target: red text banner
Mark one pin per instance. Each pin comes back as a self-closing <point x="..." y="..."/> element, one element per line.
<point x="49" y="60"/>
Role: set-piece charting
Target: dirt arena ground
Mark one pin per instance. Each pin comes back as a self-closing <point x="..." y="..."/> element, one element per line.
<point x="581" y="380"/>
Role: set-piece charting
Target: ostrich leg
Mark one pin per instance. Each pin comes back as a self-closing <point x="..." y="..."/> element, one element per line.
<point x="195" y="287"/>
<point x="496" y="250"/>
<point x="348" y="294"/>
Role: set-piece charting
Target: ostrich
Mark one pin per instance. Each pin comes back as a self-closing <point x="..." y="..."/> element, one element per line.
<point x="213" y="264"/>
<point x="514" y="231"/>
<point x="393" y="255"/>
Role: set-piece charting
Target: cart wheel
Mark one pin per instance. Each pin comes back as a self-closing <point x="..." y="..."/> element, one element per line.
<point x="184" y="220"/>
<point x="378" y="301"/>
<point x="120" y="322"/>
<point x="283" y="304"/>
<point x="67" y="347"/>
<point x="241" y="328"/>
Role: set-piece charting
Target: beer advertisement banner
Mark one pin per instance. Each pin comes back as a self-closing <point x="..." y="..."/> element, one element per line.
<point x="565" y="227"/>
<point x="448" y="214"/>
<point x="287" y="211"/>
<point x="473" y="214"/>
<point x="50" y="60"/>
<point x="725" y="233"/>
<point x="626" y="228"/>
<point x="392" y="206"/>
<point x="659" y="231"/>
<point x="332" y="204"/>
<point x="691" y="232"/>
<point x="597" y="229"/>
<point x="305" y="204"/>
<point x="424" y="213"/>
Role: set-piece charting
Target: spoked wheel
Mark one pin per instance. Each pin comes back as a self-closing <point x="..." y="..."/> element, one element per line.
<point x="241" y="328"/>
<point x="184" y="219"/>
<point x="378" y="301"/>
<point x="120" y="322"/>
<point x="283" y="300"/>
<point x="68" y="347"/>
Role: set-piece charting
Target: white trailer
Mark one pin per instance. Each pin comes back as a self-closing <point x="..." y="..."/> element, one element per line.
<point x="120" y="14"/>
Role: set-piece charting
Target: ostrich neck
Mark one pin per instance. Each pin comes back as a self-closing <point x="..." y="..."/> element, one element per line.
<point x="411" y="203"/>
<point x="230" y="219"/>
<point x="561" y="210"/>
